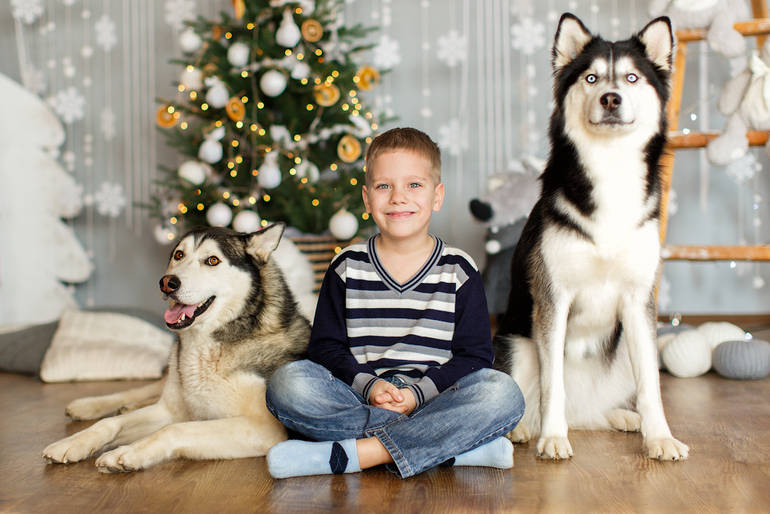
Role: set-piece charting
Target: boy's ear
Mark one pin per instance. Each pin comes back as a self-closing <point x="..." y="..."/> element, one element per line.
<point x="365" y="194"/>
<point x="439" y="198"/>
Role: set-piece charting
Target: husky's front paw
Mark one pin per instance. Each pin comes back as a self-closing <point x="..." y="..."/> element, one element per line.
<point x="71" y="449"/>
<point x="667" y="449"/>
<point x="554" y="447"/>
<point x="624" y="420"/>
<point x="87" y="409"/>
<point x="520" y="434"/>
<point x="123" y="459"/>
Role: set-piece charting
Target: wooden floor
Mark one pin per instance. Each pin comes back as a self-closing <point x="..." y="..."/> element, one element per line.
<point x="725" y="423"/>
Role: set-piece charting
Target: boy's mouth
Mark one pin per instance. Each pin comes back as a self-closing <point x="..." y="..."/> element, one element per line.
<point x="400" y="215"/>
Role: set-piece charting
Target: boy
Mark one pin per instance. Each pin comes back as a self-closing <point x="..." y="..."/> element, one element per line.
<point x="400" y="351"/>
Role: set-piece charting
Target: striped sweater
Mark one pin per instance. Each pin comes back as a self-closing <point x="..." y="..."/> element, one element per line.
<point x="430" y="331"/>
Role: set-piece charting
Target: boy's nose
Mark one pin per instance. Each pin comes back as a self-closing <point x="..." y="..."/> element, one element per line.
<point x="397" y="197"/>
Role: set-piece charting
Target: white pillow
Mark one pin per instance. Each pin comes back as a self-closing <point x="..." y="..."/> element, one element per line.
<point x="105" y="346"/>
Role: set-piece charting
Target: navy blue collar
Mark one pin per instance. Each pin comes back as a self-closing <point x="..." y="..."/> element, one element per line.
<point x="438" y="248"/>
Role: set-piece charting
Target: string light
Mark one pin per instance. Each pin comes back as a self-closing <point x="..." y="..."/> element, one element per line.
<point x="226" y="195"/>
<point x="260" y="105"/>
<point x="333" y="166"/>
<point x="173" y="220"/>
<point x="250" y="26"/>
<point x="245" y="99"/>
<point x="236" y="202"/>
<point x="252" y="200"/>
<point x="228" y="35"/>
<point x="234" y="173"/>
<point x="315" y="202"/>
<point x="181" y="87"/>
<point x="353" y="182"/>
<point x="204" y="107"/>
<point x="244" y="74"/>
<point x="183" y="126"/>
<point x="266" y="198"/>
<point x="218" y="123"/>
<point x="239" y="124"/>
<point x="200" y="206"/>
<point x="193" y="95"/>
<point x="253" y="127"/>
<point x="365" y="216"/>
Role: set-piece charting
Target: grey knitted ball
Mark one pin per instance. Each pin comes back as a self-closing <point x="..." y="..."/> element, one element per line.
<point x="742" y="360"/>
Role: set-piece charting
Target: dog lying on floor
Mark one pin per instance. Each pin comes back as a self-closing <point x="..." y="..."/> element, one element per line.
<point x="578" y="335"/>
<point x="237" y="322"/>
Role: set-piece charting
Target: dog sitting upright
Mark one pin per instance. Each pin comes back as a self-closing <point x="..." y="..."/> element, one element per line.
<point x="578" y="335"/>
<point x="237" y="322"/>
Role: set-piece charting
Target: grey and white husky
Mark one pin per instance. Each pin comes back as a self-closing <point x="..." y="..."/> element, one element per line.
<point x="237" y="322"/>
<point x="578" y="335"/>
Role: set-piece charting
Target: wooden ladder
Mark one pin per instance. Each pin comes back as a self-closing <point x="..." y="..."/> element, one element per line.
<point x="759" y="27"/>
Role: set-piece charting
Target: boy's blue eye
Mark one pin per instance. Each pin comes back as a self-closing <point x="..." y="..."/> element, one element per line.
<point x="381" y="186"/>
<point x="415" y="184"/>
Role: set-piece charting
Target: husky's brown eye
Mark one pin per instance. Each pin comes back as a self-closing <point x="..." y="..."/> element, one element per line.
<point x="178" y="255"/>
<point x="591" y="78"/>
<point x="631" y="77"/>
<point x="213" y="261"/>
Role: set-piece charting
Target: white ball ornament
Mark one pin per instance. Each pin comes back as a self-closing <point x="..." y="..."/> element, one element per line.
<point x="288" y="34"/>
<point x="343" y="225"/>
<point x="247" y="222"/>
<point x="164" y="234"/>
<point x="211" y="151"/>
<point x="687" y="355"/>
<point x="192" y="79"/>
<point x="238" y="54"/>
<point x="273" y="83"/>
<point x="269" y="175"/>
<point x="189" y="41"/>
<point x="217" y="96"/>
<point x="717" y="332"/>
<point x="493" y="246"/>
<point x="219" y="215"/>
<point x="300" y="71"/>
<point x="193" y="172"/>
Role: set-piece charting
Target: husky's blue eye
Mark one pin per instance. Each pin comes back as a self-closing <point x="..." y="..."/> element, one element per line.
<point x="631" y="77"/>
<point x="591" y="78"/>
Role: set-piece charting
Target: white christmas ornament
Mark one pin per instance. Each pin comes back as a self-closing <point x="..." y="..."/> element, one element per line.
<point x="211" y="151"/>
<point x="247" y="222"/>
<point x="163" y="234"/>
<point x="343" y="225"/>
<point x="189" y="41"/>
<point x="301" y="71"/>
<point x="217" y="95"/>
<point x="193" y="172"/>
<point x="687" y="355"/>
<point x="269" y="175"/>
<point x="238" y="54"/>
<point x="288" y="34"/>
<point x="717" y="332"/>
<point x="273" y="83"/>
<point x="192" y="79"/>
<point x="219" y="215"/>
<point x="309" y="170"/>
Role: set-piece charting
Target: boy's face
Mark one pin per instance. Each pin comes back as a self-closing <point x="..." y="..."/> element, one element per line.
<point x="402" y="195"/>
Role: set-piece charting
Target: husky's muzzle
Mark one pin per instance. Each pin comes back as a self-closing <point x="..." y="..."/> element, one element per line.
<point x="180" y="315"/>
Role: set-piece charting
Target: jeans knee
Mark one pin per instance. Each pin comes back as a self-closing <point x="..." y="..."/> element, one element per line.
<point x="286" y="386"/>
<point x="501" y="389"/>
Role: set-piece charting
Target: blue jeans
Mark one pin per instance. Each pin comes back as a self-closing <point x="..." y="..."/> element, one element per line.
<point x="479" y="408"/>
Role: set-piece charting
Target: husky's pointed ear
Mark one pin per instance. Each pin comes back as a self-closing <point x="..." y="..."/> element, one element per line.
<point x="658" y="40"/>
<point x="571" y="37"/>
<point x="261" y="244"/>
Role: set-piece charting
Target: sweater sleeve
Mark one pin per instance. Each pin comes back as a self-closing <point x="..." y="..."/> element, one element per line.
<point x="329" y="345"/>
<point x="471" y="342"/>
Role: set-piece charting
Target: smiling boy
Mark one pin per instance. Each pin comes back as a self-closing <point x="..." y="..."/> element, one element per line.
<point x="400" y="352"/>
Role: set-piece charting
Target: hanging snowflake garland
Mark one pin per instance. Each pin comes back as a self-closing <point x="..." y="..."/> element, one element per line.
<point x="34" y="79"/>
<point x="527" y="36"/>
<point x="107" y="123"/>
<point x="387" y="54"/>
<point x="452" y="137"/>
<point x="744" y="169"/>
<point x="178" y="12"/>
<point x="110" y="199"/>
<point x="106" y="37"/>
<point x="27" y="10"/>
<point x="69" y="104"/>
<point x="452" y="48"/>
<point x="664" y="294"/>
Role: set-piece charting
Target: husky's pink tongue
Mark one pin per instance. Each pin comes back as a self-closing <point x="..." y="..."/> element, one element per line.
<point x="175" y="313"/>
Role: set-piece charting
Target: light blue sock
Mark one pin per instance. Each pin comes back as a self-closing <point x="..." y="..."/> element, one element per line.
<point x="300" y="458"/>
<point x="495" y="454"/>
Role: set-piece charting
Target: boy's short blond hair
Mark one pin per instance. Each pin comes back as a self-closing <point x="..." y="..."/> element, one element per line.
<point x="408" y="140"/>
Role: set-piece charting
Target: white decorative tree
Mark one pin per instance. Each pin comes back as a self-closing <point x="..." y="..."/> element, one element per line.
<point x="38" y="251"/>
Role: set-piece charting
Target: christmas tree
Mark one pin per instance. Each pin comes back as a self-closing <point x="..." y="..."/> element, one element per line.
<point x="270" y="114"/>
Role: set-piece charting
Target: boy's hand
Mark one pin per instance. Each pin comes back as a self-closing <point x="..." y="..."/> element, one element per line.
<point x="387" y="396"/>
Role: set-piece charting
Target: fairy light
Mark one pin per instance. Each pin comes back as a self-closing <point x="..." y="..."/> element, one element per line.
<point x="303" y="180"/>
<point x="190" y="68"/>
<point x="236" y="203"/>
<point x="297" y="137"/>
<point x="181" y="88"/>
<point x="353" y="182"/>
<point x="231" y="165"/>
<point x="263" y="223"/>
<point x="200" y="206"/>
<point x="239" y="159"/>
<point x="335" y="74"/>
<point x="252" y="200"/>
<point x="333" y="166"/>
<point x="244" y="74"/>
<point x="173" y="220"/>
<point x="234" y="173"/>
<point x="239" y="124"/>
<point x="356" y="79"/>
<point x="250" y="26"/>
<point x="266" y="198"/>
<point x="261" y="132"/>
<point x="177" y="115"/>
<point x="245" y="99"/>
<point x="260" y="105"/>
<point x="374" y="126"/>
<point x="317" y="80"/>
<point x="183" y="126"/>
<point x="253" y="127"/>
<point x="368" y="116"/>
<point x="255" y="172"/>
<point x="303" y="82"/>
<point x="235" y="143"/>
<point x="204" y="107"/>
<point x="228" y="35"/>
<point x="300" y="56"/>
<point x="345" y="107"/>
<point x="368" y="140"/>
<point x="293" y="171"/>
<point x="297" y="160"/>
<point x="288" y="52"/>
<point x="298" y="10"/>
<point x="365" y="216"/>
<point x="226" y="195"/>
<point x="193" y="95"/>
<point x="315" y="202"/>
<point x="218" y="123"/>
<point x="319" y="52"/>
<point x="309" y="107"/>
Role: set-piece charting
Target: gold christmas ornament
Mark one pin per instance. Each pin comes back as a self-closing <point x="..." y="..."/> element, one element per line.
<point x="235" y="109"/>
<point x="312" y="30"/>
<point x="165" y="119"/>
<point x="326" y="94"/>
<point x="349" y="149"/>
<point x="368" y="78"/>
<point x="240" y="8"/>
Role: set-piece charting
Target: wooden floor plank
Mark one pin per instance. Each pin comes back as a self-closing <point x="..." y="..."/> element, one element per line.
<point x="726" y="424"/>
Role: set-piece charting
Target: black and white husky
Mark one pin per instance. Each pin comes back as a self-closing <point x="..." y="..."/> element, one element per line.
<point x="237" y="322"/>
<point x="579" y="332"/>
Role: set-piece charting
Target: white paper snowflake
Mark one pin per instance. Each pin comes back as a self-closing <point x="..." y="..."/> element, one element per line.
<point x="34" y="79"/>
<point x="452" y="137"/>
<point x="107" y="123"/>
<point x="664" y="294"/>
<point x="27" y="10"/>
<point x="69" y="104"/>
<point x="105" y="33"/>
<point x="452" y="48"/>
<point x="178" y="12"/>
<point x="387" y="54"/>
<point x="110" y="199"/>
<point x="744" y="169"/>
<point x="528" y="36"/>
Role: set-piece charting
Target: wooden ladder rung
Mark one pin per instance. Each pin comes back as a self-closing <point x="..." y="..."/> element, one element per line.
<point x="679" y="140"/>
<point x="715" y="253"/>
<point x="755" y="27"/>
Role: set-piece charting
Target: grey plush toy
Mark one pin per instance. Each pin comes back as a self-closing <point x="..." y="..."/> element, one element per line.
<point x="746" y="100"/>
<point x="718" y="16"/>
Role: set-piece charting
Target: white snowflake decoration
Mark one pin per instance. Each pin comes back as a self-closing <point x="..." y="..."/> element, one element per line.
<point x="27" y="10"/>
<point x="70" y="199"/>
<point x="673" y="205"/>
<point x="105" y="33"/>
<point x="34" y="79"/>
<point x="528" y="36"/>
<point x="664" y="294"/>
<point x="69" y="104"/>
<point x="452" y="137"/>
<point x="387" y="54"/>
<point x="178" y="12"/>
<point x="452" y="48"/>
<point x="744" y="169"/>
<point x="110" y="199"/>
<point x="107" y="123"/>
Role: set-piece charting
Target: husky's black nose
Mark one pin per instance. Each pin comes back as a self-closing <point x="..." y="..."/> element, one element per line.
<point x="170" y="283"/>
<point x="610" y="101"/>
